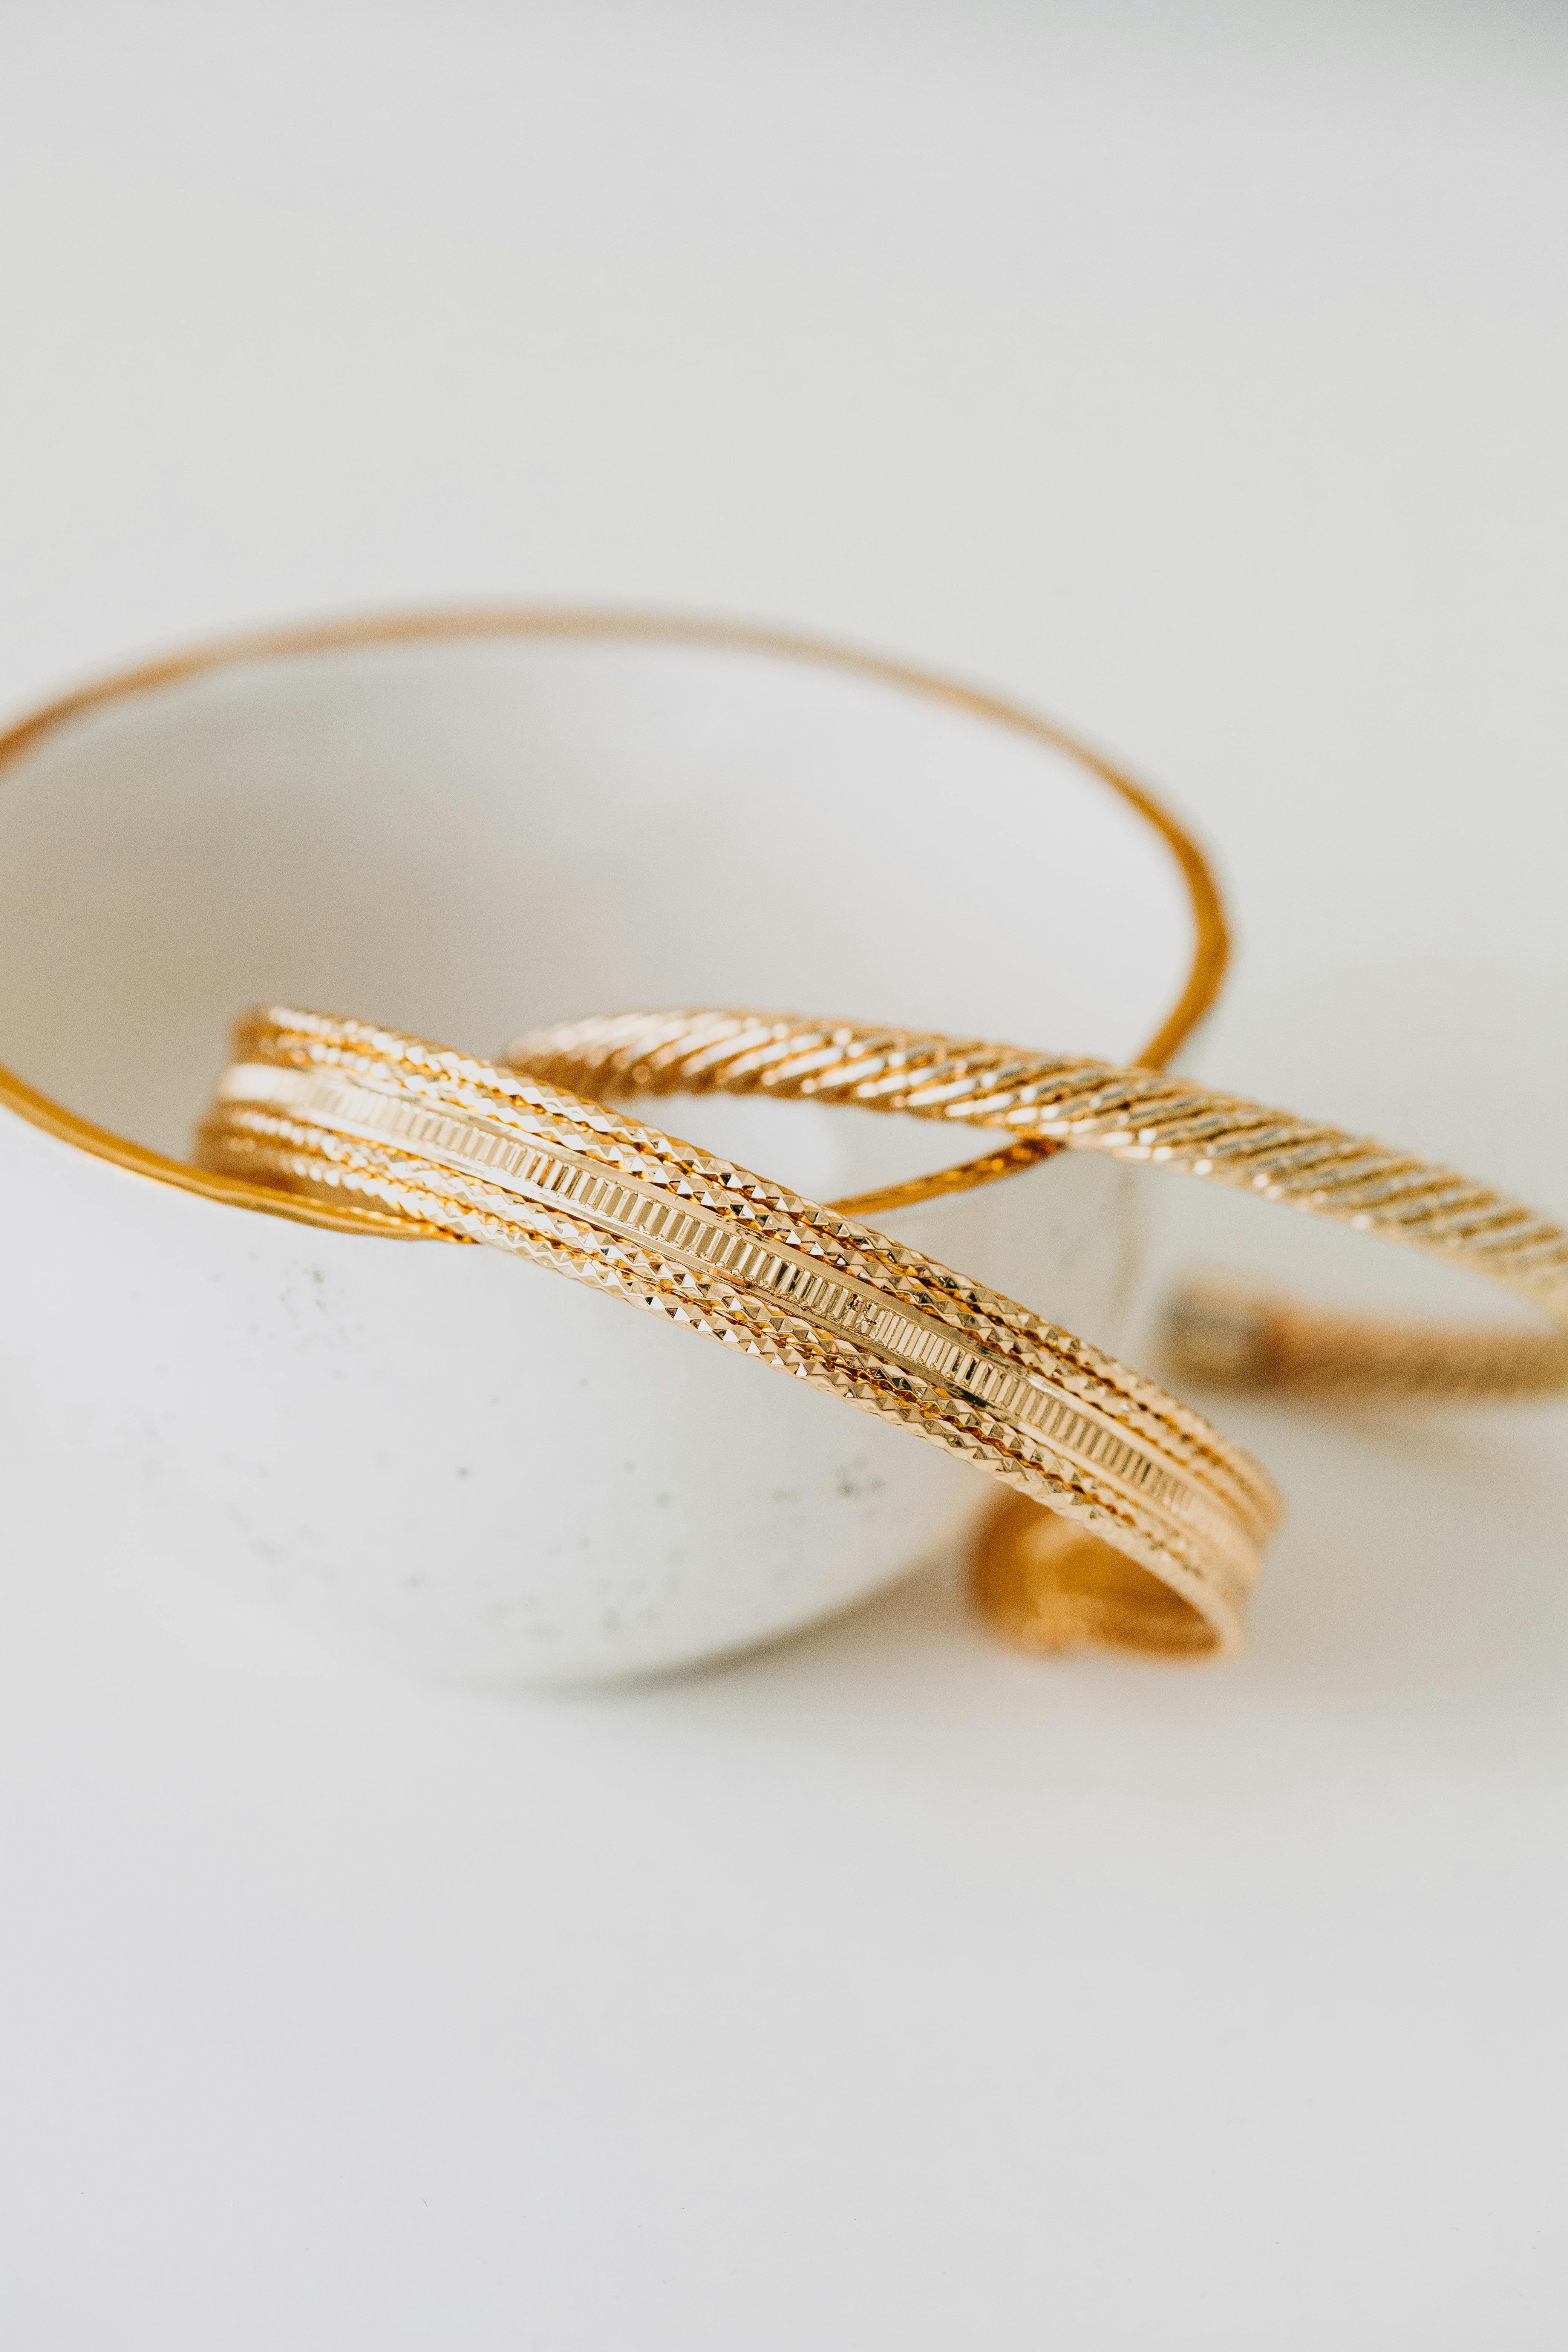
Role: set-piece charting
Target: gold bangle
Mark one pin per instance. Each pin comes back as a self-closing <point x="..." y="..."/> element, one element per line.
<point x="465" y="1151"/>
<point x="1221" y="1330"/>
<point x="1027" y="1566"/>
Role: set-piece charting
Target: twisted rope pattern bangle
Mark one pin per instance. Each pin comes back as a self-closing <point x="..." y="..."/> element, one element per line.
<point x="1166" y="1519"/>
<point x="1218" y="1329"/>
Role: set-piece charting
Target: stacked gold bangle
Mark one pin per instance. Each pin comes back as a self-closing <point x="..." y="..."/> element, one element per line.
<point x="1153" y="1524"/>
<point x="1168" y="1518"/>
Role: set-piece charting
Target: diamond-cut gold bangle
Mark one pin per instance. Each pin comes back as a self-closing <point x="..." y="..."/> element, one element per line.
<point x="1220" y="1330"/>
<point x="1166" y="1519"/>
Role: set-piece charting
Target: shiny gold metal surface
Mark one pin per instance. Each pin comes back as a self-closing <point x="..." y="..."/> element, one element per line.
<point x="1220" y="1330"/>
<point x="1173" y="1517"/>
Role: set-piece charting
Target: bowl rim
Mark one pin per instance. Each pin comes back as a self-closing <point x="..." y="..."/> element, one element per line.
<point x="1211" y="943"/>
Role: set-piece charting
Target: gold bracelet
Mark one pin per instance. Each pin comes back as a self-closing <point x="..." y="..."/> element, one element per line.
<point x="1220" y="1331"/>
<point x="1162" y="1520"/>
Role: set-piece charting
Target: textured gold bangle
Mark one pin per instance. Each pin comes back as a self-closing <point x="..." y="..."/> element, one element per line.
<point x="463" y="1149"/>
<point x="1221" y="1330"/>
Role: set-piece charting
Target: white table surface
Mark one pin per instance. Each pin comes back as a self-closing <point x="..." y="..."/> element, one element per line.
<point x="1201" y="377"/>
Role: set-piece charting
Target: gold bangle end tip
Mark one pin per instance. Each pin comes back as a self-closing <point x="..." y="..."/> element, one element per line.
<point x="1050" y="1586"/>
<point x="1220" y="1329"/>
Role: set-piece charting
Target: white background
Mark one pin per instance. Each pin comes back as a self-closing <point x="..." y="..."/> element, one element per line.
<point x="1202" y="378"/>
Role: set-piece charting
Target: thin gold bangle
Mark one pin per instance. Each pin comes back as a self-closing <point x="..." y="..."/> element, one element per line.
<point x="1218" y="1329"/>
<point x="1166" y="1519"/>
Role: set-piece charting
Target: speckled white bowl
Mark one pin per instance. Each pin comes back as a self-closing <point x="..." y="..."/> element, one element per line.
<point x="458" y="827"/>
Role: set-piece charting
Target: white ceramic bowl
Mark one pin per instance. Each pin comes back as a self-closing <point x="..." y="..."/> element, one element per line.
<point x="461" y="825"/>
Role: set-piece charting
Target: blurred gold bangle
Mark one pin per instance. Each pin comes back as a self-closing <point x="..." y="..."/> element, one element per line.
<point x="1219" y="1330"/>
<point x="1162" y="1520"/>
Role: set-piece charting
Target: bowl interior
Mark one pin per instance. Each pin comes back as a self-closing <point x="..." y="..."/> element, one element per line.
<point x="464" y="834"/>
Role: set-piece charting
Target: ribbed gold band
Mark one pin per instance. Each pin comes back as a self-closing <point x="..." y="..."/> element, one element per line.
<point x="1219" y="1330"/>
<point x="1030" y="1574"/>
<point x="1165" y="1519"/>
